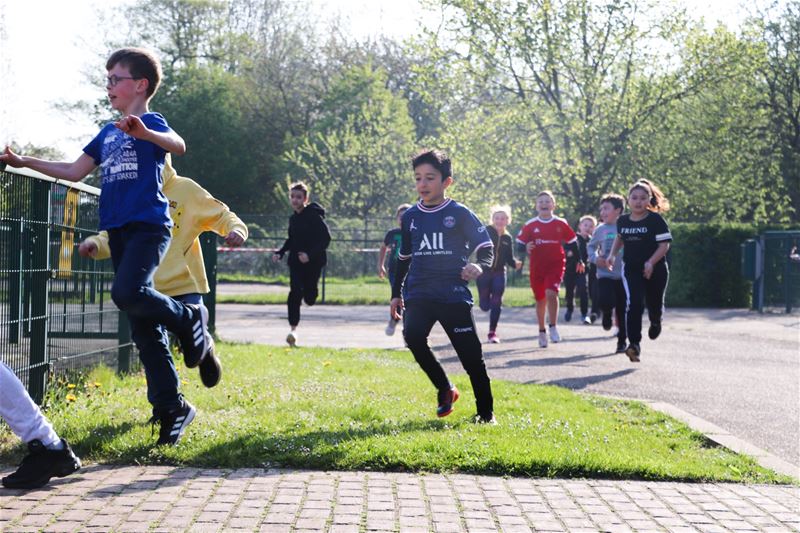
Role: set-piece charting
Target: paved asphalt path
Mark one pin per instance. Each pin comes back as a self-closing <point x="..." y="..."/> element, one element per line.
<point x="737" y="369"/>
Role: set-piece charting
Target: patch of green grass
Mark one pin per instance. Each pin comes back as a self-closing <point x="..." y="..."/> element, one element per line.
<point x="360" y="291"/>
<point x="375" y="410"/>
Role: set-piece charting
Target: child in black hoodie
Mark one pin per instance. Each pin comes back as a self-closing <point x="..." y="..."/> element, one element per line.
<point x="309" y="237"/>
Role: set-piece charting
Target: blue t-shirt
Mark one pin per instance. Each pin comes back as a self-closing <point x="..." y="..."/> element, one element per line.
<point x="130" y="170"/>
<point x="439" y="241"/>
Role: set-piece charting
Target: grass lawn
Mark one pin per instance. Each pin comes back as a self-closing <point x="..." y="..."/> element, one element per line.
<point x="359" y="291"/>
<point x="375" y="410"/>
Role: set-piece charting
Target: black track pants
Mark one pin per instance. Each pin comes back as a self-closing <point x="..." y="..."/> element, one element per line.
<point x="612" y="298"/>
<point x="458" y="323"/>
<point x="643" y="292"/>
<point x="303" y="280"/>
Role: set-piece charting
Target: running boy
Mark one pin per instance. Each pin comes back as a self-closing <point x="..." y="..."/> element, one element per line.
<point x="181" y="274"/>
<point x="646" y="240"/>
<point x="309" y="237"/>
<point x="610" y="290"/>
<point x="134" y="211"/>
<point x="438" y="236"/>
<point x="542" y="238"/>
<point x="49" y="455"/>
<point x="391" y="245"/>
<point x="492" y="283"/>
<point x="575" y="274"/>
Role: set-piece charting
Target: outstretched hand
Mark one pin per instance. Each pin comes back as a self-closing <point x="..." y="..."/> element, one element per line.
<point x="10" y="158"/>
<point x="87" y="249"/>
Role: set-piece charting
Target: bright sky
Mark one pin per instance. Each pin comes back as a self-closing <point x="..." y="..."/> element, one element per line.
<point x="47" y="46"/>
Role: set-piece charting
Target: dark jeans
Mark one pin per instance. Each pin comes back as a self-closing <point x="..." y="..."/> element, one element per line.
<point x="136" y="251"/>
<point x="643" y="292"/>
<point x="491" y="286"/>
<point x="611" y="298"/>
<point x="303" y="280"/>
<point x="458" y="323"/>
<point x="573" y="281"/>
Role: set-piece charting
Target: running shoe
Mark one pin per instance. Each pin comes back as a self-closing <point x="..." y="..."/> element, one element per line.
<point x="568" y="315"/>
<point x="633" y="351"/>
<point x="41" y="464"/>
<point x="446" y="400"/>
<point x="194" y="342"/>
<point x="655" y="329"/>
<point x="593" y="317"/>
<point x="173" y="423"/>
<point x="542" y="339"/>
<point x="607" y="321"/>
<point x="210" y="367"/>
<point x="490" y="420"/>
<point x="291" y="339"/>
<point x="620" y="347"/>
<point x="390" y="327"/>
<point x="554" y="336"/>
<point x="493" y="338"/>
<point x="586" y="320"/>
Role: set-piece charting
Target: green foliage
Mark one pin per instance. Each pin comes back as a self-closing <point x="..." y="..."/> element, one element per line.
<point x="374" y="409"/>
<point x="357" y="152"/>
<point x="705" y="265"/>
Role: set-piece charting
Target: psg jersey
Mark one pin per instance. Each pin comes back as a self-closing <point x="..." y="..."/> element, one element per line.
<point x="439" y="241"/>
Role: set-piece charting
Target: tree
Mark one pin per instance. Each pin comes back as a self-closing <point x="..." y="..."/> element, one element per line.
<point x="357" y="152"/>
<point x="584" y="76"/>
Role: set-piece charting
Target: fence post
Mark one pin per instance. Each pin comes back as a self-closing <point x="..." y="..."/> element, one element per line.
<point x="14" y="253"/>
<point x="40" y="274"/>
<point x="208" y="245"/>
<point x="123" y="343"/>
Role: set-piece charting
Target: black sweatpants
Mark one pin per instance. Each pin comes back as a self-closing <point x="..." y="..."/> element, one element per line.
<point x="611" y="297"/>
<point x="643" y="292"/>
<point x="591" y="276"/>
<point x="458" y="323"/>
<point x="573" y="281"/>
<point x="303" y="280"/>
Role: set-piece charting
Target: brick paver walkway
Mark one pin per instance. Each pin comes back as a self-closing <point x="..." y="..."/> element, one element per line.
<point x="106" y="498"/>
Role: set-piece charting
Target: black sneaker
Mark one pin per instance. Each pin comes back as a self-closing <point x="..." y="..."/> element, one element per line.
<point x="620" y="347"/>
<point x="194" y="341"/>
<point x="633" y="351"/>
<point x="593" y="317"/>
<point x="607" y="321"/>
<point x="173" y="423"/>
<point x="41" y="464"/>
<point x="446" y="400"/>
<point x="568" y="315"/>
<point x="491" y="420"/>
<point x="210" y="368"/>
<point x="655" y="330"/>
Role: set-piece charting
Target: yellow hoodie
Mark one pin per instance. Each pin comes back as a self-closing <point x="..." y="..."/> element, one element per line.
<point x="193" y="211"/>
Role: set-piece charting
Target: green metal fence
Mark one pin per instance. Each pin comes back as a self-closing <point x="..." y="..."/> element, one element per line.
<point x="56" y="312"/>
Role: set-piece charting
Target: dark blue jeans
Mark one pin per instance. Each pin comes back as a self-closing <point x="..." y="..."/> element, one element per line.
<point x="136" y="251"/>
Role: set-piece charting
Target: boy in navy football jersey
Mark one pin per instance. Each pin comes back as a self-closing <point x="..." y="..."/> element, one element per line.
<point x="433" y="270"/>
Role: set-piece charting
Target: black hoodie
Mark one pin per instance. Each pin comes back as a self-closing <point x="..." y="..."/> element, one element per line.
<point x="308" y="233"/>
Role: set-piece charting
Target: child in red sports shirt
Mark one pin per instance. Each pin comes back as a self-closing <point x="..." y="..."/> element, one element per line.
<point x="542" y="237"/>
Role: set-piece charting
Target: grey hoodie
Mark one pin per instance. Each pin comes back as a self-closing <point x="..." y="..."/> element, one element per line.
<point x="600" y="244"/>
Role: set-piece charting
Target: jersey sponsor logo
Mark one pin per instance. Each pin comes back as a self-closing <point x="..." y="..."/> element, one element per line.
<point x="436" y="241"/>
<point x="462" y="330"/>
<point x="449" y="222"/>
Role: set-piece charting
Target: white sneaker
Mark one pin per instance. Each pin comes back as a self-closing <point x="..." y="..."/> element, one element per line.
<point x="542" y="339"/>
<point x="291" y="338"/>
<point x="554" y="336"/>
<point x="587" y="320"/>
<point x="614" y="331"/>
<point x="391" y="326"/>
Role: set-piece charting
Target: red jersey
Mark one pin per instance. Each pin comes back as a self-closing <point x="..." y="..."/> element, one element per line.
<point x="548" y="236"/>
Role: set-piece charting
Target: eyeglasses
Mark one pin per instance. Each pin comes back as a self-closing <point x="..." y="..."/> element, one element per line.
<point x="113" y="80"/>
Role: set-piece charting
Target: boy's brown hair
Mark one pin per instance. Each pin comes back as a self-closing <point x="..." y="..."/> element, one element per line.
<point x="616" y="200"/>
<point x="141" y="63"/>
<point x="547" y="193"/>
<point x="299" y="186"/>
